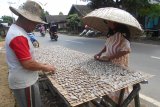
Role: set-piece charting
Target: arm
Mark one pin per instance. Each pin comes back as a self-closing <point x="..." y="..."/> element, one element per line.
<point x="34" y="66"/>
<point x="20" y="47"/>
<point x="97" y="56"/>
<point x="102" y="51"/>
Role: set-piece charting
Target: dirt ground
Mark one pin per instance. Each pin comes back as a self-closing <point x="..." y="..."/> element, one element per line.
<point x="6" y="96"/>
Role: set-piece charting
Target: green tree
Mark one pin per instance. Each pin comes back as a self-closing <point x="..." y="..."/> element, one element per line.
<point x="1" y="20"/>
<point x="151" y="10"/>
<point x="60" y="13"/>
<point x="101" y="3"/>
<point x="73" y="22"/>
<point x="136" y="7"/>
<point x="44" y="13"/>
<point x="7" y="19"/>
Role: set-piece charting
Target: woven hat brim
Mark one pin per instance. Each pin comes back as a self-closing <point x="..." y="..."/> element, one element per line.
<point x="27" y="15"/>
<point x="98" y="24"/>
<point x="95" y="19"/>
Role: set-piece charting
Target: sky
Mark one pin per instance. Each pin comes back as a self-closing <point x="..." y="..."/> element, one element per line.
<point x="52" y="6"/>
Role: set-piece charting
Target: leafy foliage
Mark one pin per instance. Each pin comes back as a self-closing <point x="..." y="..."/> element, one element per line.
<point x="101" y="3"/>
<point x="136" y="7"/>
<point x="1" y="39"/>
<point x="73" y="21"/>
<point x="60" y="13"/>
<point x="151" y="10"/>
<point x="7" y="19"/>
<point x="43" y="15"/>
<point x="1" y="20"/>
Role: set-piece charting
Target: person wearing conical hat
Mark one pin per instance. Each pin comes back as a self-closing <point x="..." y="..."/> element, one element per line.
<point x="121" y="26"/>
<point x="22" y="66"/>
<point x="116" y="50"/>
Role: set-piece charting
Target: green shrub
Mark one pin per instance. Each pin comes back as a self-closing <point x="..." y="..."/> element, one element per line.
<point x="1" y="39"/>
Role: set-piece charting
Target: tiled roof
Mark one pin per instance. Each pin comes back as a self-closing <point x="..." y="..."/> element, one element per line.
<point x="81" y="9"/>
<point x="56" y="18"/>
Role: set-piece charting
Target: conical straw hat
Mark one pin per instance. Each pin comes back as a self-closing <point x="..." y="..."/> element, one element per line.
<point x="30" y="10"/>
<point x="95" y="19"/>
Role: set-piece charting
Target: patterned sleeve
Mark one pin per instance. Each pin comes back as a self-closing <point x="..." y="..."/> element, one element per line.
<point x="125" y="45"/>
<point x="21" y="48"/>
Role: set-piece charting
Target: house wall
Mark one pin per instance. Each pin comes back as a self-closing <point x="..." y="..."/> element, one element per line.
<point x="152" y="25"/>
<point x="62" y="25"/>
<point x="152" y="22"/>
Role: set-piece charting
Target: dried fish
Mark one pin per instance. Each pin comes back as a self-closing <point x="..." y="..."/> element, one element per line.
<point x="82" y="78"/>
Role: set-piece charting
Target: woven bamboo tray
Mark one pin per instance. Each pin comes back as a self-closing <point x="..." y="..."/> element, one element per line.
<point x="79" y="78"/>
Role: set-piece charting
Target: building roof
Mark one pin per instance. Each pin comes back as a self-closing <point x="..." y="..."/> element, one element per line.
<point x="56" y="18"/>
<point x="81" y="10"/>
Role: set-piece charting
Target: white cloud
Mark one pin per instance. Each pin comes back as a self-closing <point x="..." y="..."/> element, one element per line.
<point x="52" y="6"/>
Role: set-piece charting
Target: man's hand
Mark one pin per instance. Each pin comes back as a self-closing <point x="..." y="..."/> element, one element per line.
<point x="48" y="68"/>
<point x="35" y="66"/>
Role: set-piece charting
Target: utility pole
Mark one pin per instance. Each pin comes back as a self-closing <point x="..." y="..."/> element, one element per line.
<point x="10" y="3"/>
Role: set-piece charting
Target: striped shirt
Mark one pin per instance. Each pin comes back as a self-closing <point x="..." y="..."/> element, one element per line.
<point x="116" y="43"/>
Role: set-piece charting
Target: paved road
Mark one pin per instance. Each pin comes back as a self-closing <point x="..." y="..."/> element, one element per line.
<point x="144" y="57"/>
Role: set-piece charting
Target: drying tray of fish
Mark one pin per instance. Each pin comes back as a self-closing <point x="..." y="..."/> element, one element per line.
<point x="79" y="78"/>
